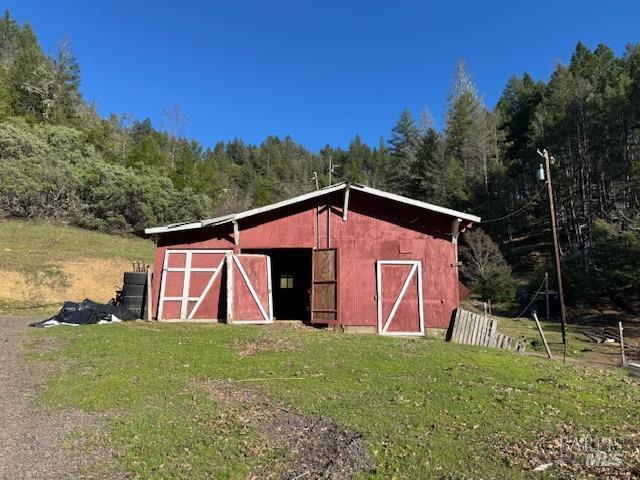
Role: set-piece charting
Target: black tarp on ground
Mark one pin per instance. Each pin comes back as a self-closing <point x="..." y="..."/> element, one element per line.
<point x="87" y="312"/>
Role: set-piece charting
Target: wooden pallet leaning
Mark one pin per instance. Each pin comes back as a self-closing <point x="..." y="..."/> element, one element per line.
<point x="474" y="329"/>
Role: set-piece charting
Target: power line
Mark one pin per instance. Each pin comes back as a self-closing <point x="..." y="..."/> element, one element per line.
<point x="532" y="300"/>
<point x="535" y="197"/>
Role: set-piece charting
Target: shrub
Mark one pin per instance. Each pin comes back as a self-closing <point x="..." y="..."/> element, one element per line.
<point x="60" y="182"/>
<point x="39" y="189"/>
<point x="485" y="269"/>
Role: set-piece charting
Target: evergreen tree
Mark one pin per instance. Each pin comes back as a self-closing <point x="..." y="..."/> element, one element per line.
<point x="404" y="144"/>
<point x="471" y="133"/>
<point x="464" y="108"/>
<point x="429" y="168"/>
<point x="378" y="174"/>
<point x="67" y="96"/>
<point x="31" y="78"/>
<point x="360" y="162"/>
<point x="5" y="96"/>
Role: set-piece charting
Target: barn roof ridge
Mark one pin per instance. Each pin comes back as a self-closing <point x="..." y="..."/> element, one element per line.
<point x="234" y="217"/>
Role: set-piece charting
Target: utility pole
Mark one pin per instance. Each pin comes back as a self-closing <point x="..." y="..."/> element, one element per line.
<point x="315" y="177"/>
<point x="332" y="168"/>
<point x="556" y="248"/>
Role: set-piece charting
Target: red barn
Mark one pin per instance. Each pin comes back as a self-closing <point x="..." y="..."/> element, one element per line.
<point x="346" y="255"/>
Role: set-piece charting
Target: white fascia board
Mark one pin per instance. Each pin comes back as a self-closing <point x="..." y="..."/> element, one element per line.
<point x="169" y="228"/>
<point x="417" y="203"/>
<point x="215" y="221"/>
<point x="237" y="216"/>
<point x="176" y="227"/>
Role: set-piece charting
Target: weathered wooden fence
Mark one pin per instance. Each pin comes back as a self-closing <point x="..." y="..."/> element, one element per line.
<point x="475" y="329"/>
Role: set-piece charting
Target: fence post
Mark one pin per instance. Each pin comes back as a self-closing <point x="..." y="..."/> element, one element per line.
<point x="624" y="362"/>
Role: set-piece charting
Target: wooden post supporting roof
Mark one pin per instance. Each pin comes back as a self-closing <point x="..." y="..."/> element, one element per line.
<point x="236" y="233"/>
<point x="455" y="230"/>
<point x="345" y="207"/>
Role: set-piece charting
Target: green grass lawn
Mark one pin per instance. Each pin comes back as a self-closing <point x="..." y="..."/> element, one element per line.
<point x="30" y="246"/>
<point x="580" y="349"/>
<point x="428" y="409"/>
<point x="578" y="344"/>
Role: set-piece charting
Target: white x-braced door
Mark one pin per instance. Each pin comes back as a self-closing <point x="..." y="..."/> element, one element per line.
<point x="191" y="285"/>
<point x="399" y="297"/>
<point x="249" y="296"/>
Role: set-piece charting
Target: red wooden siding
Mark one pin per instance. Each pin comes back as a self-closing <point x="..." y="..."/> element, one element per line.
<point x="376" y="229"/>
<point x="212" y="304"/>
<point x="245" y="307"/>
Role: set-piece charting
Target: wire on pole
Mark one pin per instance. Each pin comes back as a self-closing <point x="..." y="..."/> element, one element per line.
<point x="535" y="197"/>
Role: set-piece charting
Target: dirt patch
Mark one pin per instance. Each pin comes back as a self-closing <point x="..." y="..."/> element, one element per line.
<point x="39" y="442"/>
<point x="290" y="325"/>
<point x="92" y="278"/>
<point x="245" y="348"/>
<point x="576" y="455"/>
<point x="316" y="446"/>
<point x="411" y="347"/>
<point x="13" y="285"/>
<point x="96" y="279"/>
<point x="45" y="345"/>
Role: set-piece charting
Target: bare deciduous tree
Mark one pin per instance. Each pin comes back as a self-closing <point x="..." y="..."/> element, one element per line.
<point x="173" y="123"/>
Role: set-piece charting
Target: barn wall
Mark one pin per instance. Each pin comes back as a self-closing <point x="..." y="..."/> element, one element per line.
<point x="396" y="232"/>
<point x="376" y="229"/>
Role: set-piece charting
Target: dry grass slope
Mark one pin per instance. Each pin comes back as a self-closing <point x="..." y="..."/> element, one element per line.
<point x="43" y="264"/>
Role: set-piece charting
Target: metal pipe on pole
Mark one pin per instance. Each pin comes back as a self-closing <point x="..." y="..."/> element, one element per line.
<point x="546" y="297"/>
<point x="332" y="169"/>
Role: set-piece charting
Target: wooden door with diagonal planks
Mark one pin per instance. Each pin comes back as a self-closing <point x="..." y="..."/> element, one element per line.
<point x="399" y="297"/>
<point x="249" y="296"/>
<point x="324" y="289"/>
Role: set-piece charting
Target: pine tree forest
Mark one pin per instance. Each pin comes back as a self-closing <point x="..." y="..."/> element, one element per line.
<point x="61" y="161"/>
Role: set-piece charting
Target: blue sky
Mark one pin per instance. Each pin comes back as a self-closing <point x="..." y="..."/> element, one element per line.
<point x="321" y="71"/>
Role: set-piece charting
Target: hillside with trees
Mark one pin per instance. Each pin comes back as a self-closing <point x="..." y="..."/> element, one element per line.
<point x="61" y="160"/>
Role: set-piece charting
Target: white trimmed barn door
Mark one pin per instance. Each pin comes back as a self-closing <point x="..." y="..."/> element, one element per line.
<point x="249" y="297"/>
<point x="191" y="285"/>
<point x="399" y="296"/>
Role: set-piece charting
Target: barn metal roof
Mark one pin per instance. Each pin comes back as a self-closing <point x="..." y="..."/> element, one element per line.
<point x="234" y="217"/>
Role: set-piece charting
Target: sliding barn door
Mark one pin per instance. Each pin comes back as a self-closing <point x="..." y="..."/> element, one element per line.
<point x="399" y="294"/>
<point x="192" y="285"/>
<point x="324" y="294"/>
<point x="249" y="297"/>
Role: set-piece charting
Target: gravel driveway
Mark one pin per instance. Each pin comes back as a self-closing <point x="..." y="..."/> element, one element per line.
<point x="37" y="442"/>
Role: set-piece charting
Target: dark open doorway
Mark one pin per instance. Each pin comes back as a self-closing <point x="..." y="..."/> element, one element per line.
<point x="291" y="282"/>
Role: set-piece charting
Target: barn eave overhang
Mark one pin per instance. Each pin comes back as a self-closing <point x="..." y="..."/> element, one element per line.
<point x="467" y="218"/>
